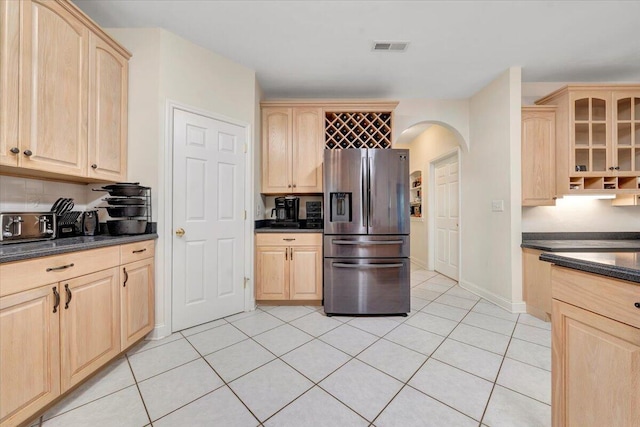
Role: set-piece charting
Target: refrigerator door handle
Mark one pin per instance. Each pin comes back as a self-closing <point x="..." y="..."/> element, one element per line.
<point x="367" y="242"/>
<point x="369" y="192"/>
<point x="363" y="186"/>
<point x="345" y="265"/>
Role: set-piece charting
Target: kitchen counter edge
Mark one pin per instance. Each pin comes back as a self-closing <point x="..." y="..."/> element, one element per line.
<point x="558" y="245"/>
<point x="288" y="230"/>
<point x="24" y="251"/>
<point x="618" y="265"/>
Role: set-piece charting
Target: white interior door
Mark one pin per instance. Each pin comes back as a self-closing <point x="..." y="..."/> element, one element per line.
<point x="447" y="214"/>
<point x="208" y="204"/>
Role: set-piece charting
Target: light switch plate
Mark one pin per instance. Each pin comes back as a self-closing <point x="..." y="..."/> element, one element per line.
<point x="497" y="205"/>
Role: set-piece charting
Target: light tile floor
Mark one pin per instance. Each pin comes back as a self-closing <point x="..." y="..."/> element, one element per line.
<point x="456" y="360"/>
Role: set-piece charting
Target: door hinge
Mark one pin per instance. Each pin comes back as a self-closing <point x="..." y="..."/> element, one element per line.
<point x="245" y="148"/>
<point x="246" y="279"/>
<point x="245" y="214"/>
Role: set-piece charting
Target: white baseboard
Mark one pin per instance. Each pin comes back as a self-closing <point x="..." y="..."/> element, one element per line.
<point x="418" y="263"/>
<point x="160" y="331"/>
<point x="512" y="307"/>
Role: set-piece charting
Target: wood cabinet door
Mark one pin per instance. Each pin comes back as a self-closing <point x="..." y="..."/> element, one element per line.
<point x="136" y="301"/>
<point x="538" y="156"/>
<point x="29" y="353"/>
<point x="276" y="150"/>
<point x="89" y="324"/>
<point x="308" y="146"/>
<point x="590" y="133"/>
<point x="9" y="81"/>
<point x="306" y="273"/>
<point x="272" y="273"/>
<point x="54" y="75"/>
<point x="108" y="88"/>
<point x="595" y="369"/>
<point x="626" y="133"/>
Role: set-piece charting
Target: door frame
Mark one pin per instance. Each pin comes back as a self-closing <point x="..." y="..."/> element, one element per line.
<point x="167" y="226"/>
<point x="431" y="221"/>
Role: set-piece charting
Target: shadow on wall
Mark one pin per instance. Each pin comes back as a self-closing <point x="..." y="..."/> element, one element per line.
<point x="426" y="141"/>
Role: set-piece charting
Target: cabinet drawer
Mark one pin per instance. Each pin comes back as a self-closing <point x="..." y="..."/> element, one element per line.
<point x="136" y="251"/>
<point x="23" y="275"/>
<point x="289" y="239"/>
<point x="606" y="296"/>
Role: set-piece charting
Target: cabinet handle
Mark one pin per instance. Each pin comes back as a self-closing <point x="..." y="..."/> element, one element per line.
<point x="69" y="295"/>
<point x="15" y="150"/>
<point x="56" y="301"/>
<point x="291" y="256"/>
<point x="139" y="251"/>
<point x="126" y="277"/>
<point x="94" y="166"/>
<point x="636" y="304"/>
<point x="288" y="240"/>
<point x="62" y="267"/>
<point x="28" y="153"/>
<point x="286" y="254"/>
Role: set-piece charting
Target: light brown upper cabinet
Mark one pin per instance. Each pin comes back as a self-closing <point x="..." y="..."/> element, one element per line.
<point x="66" y="102"/>
<point x="538" y="155"/>
<point x="292" y="144"/>
<point x="108" y="89"/>
<point x="597" y="133"/>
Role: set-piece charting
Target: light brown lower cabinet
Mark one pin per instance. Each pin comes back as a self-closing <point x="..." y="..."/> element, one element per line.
<point x="536" y="284"/>
<point x="595" y="351"/>
<point x="54" y="336"/>
<point x="289" y="266"/>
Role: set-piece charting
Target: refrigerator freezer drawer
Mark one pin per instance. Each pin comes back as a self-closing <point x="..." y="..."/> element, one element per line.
<point x="366" y="246"/>
<point x="366" y="286"/>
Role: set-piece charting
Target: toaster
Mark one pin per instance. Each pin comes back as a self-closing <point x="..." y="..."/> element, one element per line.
<point x="27" y="226"/>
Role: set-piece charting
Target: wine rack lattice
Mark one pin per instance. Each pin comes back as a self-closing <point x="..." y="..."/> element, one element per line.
<point x="357" y="130"/>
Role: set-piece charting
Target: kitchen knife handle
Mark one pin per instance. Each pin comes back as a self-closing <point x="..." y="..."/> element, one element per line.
<point x="56" y="302"/>
<point x="62" y="267"/>
<point x="69" y="296"/>
<point x="126" y="277"/>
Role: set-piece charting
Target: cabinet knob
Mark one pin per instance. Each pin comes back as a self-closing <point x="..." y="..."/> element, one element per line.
<point x="637" y="304"/>
<point x="94" y="166"/>
<point x="617" y="168"/>
<point x="294" y="186"/>
<point x="610" y="168"/>
<point x="28" y="153"/>
<point x="15" y="150"/>
<point x="289" y="185"/>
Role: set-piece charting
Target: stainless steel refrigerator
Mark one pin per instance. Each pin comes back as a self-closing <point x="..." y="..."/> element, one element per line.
<point x="366" y="231"/>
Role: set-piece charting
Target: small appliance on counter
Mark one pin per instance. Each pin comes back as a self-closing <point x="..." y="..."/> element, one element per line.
<point x="27" y="226"/>
<point x="287" y="212"/>
<point x="131" y="203"/>
<point x="89" y="224"/>
<point x="314" y="215"/>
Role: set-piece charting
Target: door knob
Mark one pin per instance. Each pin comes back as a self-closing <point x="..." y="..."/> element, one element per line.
<point x="180" y="232"/>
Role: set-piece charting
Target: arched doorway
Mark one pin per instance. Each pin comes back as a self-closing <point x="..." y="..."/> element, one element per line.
<point x="436" y="149"/>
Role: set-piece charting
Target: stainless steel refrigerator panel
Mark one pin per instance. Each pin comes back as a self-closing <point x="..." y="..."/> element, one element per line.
<point x="366" y="286"/>
<point x="389" y="204"/>
<point x="366" y="246"/>
<point x="345" y="191"/>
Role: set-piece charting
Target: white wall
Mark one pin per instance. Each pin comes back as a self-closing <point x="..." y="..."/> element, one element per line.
<point x="428" y="145"/>
<point x="491" y="262"/>
<point x="580" y="215"/>
<point x="167" y="68"/>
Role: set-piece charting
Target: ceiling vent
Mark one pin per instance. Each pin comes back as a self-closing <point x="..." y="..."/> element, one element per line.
<point x="390" y="46"/>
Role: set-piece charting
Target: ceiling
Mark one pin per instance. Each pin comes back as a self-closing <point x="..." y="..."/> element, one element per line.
<point x="323" y="49"/>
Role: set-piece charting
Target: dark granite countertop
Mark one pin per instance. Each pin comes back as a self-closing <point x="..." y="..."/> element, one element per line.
<point x="266" y="226"/>
<point x="583" y="245"/>
<point x="619" y="265"/>
<point x="22" y="251"/>
<point x="583" y="242"/>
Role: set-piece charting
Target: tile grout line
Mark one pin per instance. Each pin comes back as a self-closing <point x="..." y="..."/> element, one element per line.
<point x="139" y="391"/>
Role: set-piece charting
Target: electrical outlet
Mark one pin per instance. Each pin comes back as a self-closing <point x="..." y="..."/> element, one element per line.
<point x="497" y="205"/>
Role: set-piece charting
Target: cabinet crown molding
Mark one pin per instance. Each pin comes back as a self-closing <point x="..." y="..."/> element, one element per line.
<point x="589" y="87"/>
<point x="335" y="104"/>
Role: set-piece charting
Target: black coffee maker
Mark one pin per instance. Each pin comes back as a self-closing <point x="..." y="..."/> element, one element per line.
<point x="287" y="211"/>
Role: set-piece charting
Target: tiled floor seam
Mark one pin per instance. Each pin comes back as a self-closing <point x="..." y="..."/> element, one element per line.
<point x="144" y="404"/>
<point x="525" y="363"/>
<point x="493" y="387"/>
